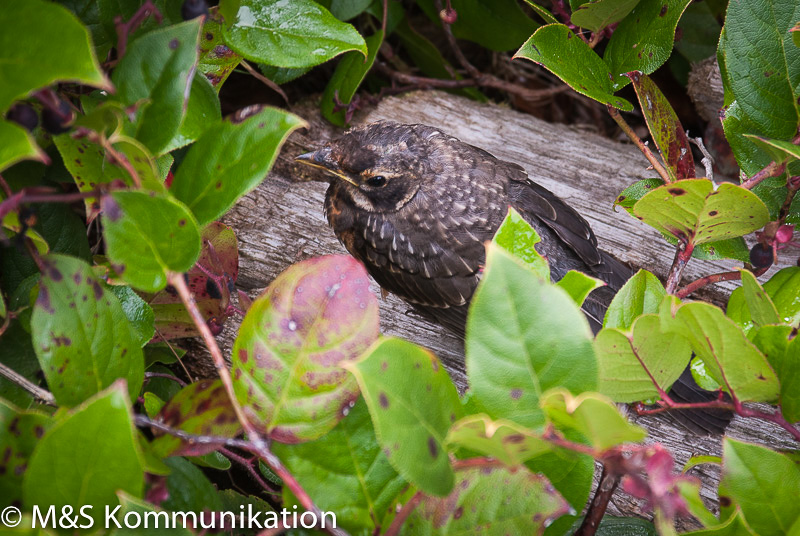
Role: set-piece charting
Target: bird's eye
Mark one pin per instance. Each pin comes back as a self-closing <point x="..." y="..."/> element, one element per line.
<point x="377" y="181"/>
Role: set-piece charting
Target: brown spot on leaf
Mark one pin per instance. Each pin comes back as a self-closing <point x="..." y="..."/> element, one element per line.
<point x="243" y="355"/>
<point x="97" y="289"/>
<point x="174" y="44"/>
<point x="663" y="10"/>
<point x="516" y="394"/>
<point x="724" y="501"/>
<point x="514" y="438"/>
<point x="713" y="213"/>
<point x="43" y="300"/>
<point x="181" y="223"/>
<point x="768" y="73"/>
<point x="433" y="448"/>
<point x="676" y="191"/>
<point x="209" y="36"/>
<point x="383" y="400"/>
<point x="458" y="513"/>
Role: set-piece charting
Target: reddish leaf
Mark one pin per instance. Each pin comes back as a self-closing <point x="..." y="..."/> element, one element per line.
<point x="286" y="359"/>
<point x="665" y="127"/>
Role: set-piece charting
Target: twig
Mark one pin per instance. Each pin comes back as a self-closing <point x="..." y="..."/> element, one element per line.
<point x="248" y="466"/>
<point x="266" y="81"/>
<point x="485" y="80"/>
<point x="256" y="443"/>
<point x="708" y="160"/>
<point x="609" y="480"/>
<point x="124" y="29"/>
<point x="30" y="195"/>
<point x="773" y="169"/>
<point x="39" y="394"/>
<point x="166" y="376"/>
<point x="626" y="128"/>
<point x="402" y="515"/>
<point x="683" y="252"/>
<point x="472" y="71"/>
<point x="697" y="284"/>
<point x="385" y="15"/>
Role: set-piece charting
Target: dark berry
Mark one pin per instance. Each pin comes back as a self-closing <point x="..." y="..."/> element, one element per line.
<point x="24" y="115"/>
<point x="191" y="9"/>
<point x="212" y="289"/>
<point x="57" y="121"/>
<point x="761" y="256"/>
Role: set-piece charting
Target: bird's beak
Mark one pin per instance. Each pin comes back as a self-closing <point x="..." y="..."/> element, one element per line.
<point x="322" y="159"/>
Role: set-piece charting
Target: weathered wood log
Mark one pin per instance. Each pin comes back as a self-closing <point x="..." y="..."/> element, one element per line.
<point x="281" y="222"/>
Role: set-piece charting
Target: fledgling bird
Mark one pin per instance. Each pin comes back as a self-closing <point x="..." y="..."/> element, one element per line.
<point x="416" y="206"/>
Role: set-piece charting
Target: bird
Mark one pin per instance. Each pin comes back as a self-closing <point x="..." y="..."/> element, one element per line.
<point x="416" y="207"/>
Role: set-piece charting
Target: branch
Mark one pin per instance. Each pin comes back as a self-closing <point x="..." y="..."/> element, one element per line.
<point x="402" y="515"/>
<point x="697" y="284"/>
<point x="124" y="29"/>
<point x="683" y="252"/>
<point x="626" y="128"/>
<point x="773" y="169"/>
<point x="472" y="71"/>
<point x="484" y="80"/>
<point x="609" y="480"/>
<point x="41" y="395"/>
<point x="256" y="444"/>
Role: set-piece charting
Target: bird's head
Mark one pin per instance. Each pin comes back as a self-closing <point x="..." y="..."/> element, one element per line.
<point x="381" y="166"/>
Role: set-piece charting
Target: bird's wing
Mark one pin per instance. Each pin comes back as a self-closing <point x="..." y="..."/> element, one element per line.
<point x="567" y="224"/>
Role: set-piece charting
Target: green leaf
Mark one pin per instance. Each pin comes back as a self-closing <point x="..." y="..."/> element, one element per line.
<point x="156" y="72"/>
<point x="189" y="490"/>
<point x="665" y="127"/>
<point x="783" y="353"/>
<point x="731" y="360"/>
<point x="693" y="211"/>
<point x="779" y="150"/>
<point x="593" y="416"/>
<point x="498" y="25"/>
<point x="763" y="483"/>
<point x="519" y="238"/>
<point x="643" y="40"/>
<point x="504" y="440"/>
<point x="690" y="491"/>
<point x="412" y="402"/>
<point x="139" y="313"/>
<point x="87" y="163"/>
<point x="300" y="33"/>
<point x="202" y="110"/>
<point x="598" y="14"/>
<point x="633" y="193"/>
<point x="346" y="472"/>
<point x="82" y="338"/>
<point x="761" y="308"/>
<point x="783" y="288"/>
<point x="20" y="432"/>
<point x="546" y="16"/>
<point x="200" y="408"/>
<point x="17" y="144"/>
<point x="492" y="501"/>
<point x="579" y="285"/>
<point x="70" y="463"/>
<point x="735" y="525"/>
<point x="346" y="79"/>
<point x="148" y="234"/>
<point x="230" y="160"/>
<point x="558" y="50"/>
<point x="699" y="32"/>
<point x="348" y="9"/>
<point x="762" y="64"/>
<point x="629" y="363"/>
<point x="735" y="123"/>
<point x="16" y="352"/>
<point x="641" y="294"/>
<point x="30" y="57"/>
<point x="293" y="342"/>
<point x="524" y="336"/>
<point x="217" y="61"/>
